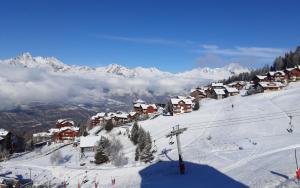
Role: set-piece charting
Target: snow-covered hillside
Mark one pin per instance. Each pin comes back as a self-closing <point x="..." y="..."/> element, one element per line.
<point x="247" y="145"/>
<point x="26" y="79"/>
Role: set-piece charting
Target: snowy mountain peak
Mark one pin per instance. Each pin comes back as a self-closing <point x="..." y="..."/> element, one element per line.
<point x="54" y="65"/>
<point x="117" y="69"/>
<point x="25" y="55"/>
<point x="28" y="61"/>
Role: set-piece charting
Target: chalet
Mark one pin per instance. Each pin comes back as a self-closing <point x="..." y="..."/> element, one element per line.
<point x="269" y="86"/>
<point x="120" y="117"/>
<point x="215" y="85"/>
<point x="64" y="123"/>
<point x="277" y="76"/>
<point x="181" y="105"/>
<point x="198" y="93"/>
<point x="260" y="78"/>
<point x="97" y="119"/>
<point x="293" y="74"/>
<point x="239" y="85"/>
<point x="5" y="141"/>
<point x="219" y="93"/>
<point x="137" y="107"/>
<point x="133" y="116"/>
<point x="145" y="108"/>
<point x="151" y="108"/>
<point x="231" y="91"/>
<point x="66" y="134"/>
<point x="88" y="144"/>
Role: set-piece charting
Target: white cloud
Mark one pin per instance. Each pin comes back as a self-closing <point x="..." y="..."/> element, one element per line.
<point x="25" y="85"/>
<point x="258" y="52"/>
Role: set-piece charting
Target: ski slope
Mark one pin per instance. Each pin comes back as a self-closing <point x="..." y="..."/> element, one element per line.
<point x="244" y="146"/>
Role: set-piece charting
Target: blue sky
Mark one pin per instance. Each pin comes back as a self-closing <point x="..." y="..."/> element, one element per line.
<point x="171" y="35"/>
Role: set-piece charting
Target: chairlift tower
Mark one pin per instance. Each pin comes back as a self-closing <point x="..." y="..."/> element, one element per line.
<point x="176" y="132"/>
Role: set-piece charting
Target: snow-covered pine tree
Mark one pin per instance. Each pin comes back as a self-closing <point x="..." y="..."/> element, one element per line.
<point x="146" y="154"/>
<point x="134" y="133"/>
<point x="100" y="156"/>
<point x="141" y="139"/>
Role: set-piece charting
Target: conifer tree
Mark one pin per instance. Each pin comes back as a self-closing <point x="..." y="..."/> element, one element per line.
<point x="135" y="133"/>
<point x="100" y="156"/>
<point x="146" y="154"/>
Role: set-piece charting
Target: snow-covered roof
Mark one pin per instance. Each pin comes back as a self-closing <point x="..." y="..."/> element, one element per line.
<point x="111" y="114"/>
<point x="69" y="128"/>
<point x="232" y="90"/>
<point x="261" y="77"/>
<point x="271" y="84"/>
<point x="201" y="90"/>
<point x="3" y="132"/>
<point x="122" y="115"/>
<point x="153" y="105"/>
<point x="290" y="69"/>
<point x="132" y="113"/>
<point x="41" y="134"/>
<point x="65" y="121"/>
<point x="89" y="141"/>
<point x="272" y="73"/>
<point x="144" y="106"/>
<point x="236" y="82"/>
<point x="181" y="97"/>
<point x="176" y="101"/>
<point x="98" y="115"/>
<point x="53" y="130"/>
<point x="137" y="105"/>
<point x="220" y="84"/>
<point x="219" y="91"/>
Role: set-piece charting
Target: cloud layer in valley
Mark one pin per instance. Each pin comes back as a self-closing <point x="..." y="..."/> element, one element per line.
<point x="21" y="85"/>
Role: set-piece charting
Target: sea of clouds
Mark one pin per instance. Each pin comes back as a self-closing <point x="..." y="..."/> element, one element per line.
<point x="20" y="85"/>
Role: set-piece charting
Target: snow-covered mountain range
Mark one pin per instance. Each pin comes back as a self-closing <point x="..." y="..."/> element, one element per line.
<point x="55" y="65"/>
<point x="25" y="78"/>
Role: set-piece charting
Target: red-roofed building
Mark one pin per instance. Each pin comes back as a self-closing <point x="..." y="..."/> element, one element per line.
<point x="64" y="123"/>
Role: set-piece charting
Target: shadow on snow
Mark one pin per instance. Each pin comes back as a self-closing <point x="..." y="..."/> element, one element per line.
<point x="165" y="174"/>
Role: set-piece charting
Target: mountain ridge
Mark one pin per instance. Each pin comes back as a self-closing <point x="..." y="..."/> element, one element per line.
<point x="54" y="65"/>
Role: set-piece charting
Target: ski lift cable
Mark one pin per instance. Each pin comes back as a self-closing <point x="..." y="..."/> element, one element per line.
<point x="222" y="121"/>
<point x="244" y="117"/>
<point x="224" y="124"/>
<point x="234" y="123"/>
<point x="246" y="122"/>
